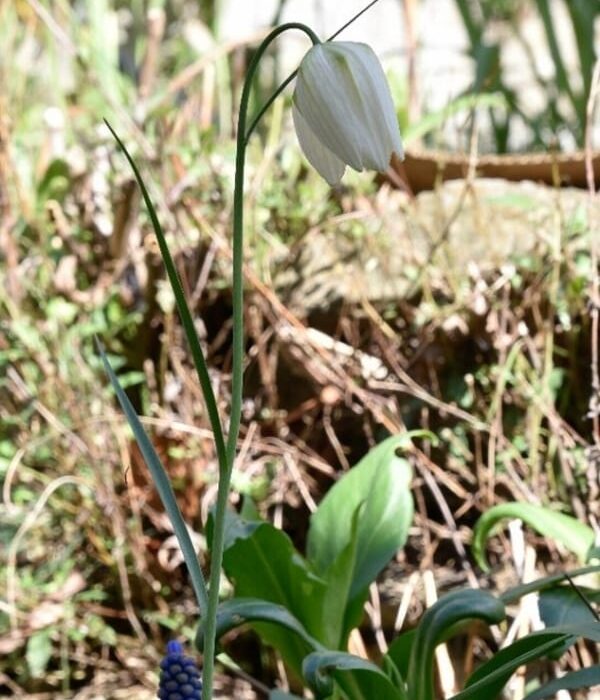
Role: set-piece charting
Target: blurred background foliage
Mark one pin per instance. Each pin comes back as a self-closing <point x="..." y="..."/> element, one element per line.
<point x="492" y="353"/>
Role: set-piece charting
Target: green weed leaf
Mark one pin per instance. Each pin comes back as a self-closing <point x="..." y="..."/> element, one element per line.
<point x="399" y="651"/>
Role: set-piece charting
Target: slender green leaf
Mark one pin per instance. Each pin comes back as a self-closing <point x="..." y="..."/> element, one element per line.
<point x="183" y="308"/>
<point x="489" y="679"/>
<point x="163" y="486"/>
<point x="583" y="18"/>
<point x="512" y="595"/>
<point x="381" y="482"/>
<point x="560" y="70"/>
<point x="358" y="678"/>
<point x="574" y="535"/>
<point x="584" y="678"/>
<point x="451" y="609"/>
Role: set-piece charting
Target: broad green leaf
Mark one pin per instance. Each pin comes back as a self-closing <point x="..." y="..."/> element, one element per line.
<point x="574" y="535"/>
<point x="451" y="609"/>
<point x="381" y="483"/>
<point x="357" y="678"/>
<point x="584" y="678"/>
<point x="239" y="611"/>
<point x="563" y="605"/>
<point x="262" y="563"/>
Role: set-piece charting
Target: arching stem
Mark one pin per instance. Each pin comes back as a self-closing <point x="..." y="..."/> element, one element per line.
<point x="238" y="357"/>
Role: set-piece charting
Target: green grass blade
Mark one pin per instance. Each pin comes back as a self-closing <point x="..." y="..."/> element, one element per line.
<point x="163" y="486"/>
<point x="583" y="15"/>
<point x="184" y="311"/>
<point x="562" y="75"/>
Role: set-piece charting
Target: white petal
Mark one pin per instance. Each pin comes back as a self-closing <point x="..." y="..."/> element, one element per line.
<point x="322" y="98"/>
<point x="343" y="95"/>
<point x="327" y="164"/>
<point x="381" y="135"/>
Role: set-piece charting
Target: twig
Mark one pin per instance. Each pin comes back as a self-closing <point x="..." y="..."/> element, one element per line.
<point x="595" y="285"/>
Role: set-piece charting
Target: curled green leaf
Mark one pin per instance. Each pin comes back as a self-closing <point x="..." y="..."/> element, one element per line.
<point x="239" y="611"/>
<point x="453" y="608"/>
<point x="574" y="535"/>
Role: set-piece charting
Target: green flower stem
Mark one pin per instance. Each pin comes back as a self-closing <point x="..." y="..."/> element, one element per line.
<point x="238" y="358"/>
<point x="291" y="76"/>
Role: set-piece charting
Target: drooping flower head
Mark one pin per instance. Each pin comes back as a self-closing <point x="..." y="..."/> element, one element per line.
<point x="179" y="676"/>
<point x="343" y="110"/>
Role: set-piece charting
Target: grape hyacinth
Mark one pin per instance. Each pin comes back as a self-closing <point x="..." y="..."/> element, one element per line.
<point x="179" y="676"/>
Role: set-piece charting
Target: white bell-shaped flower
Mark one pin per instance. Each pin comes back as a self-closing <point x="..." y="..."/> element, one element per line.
<point x="343" y="110"/>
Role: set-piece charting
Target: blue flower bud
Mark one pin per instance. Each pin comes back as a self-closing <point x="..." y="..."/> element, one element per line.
<point x="179" y="676"/>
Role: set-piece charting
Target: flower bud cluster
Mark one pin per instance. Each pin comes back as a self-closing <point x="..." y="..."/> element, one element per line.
<point x="179" y="676"/>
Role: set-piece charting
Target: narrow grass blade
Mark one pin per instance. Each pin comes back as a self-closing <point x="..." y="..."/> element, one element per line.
<point x="184" y="310"/>
<point x="583" y="18"/>
<point x="562" y="75"/>
<point x="163" y="486"/>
